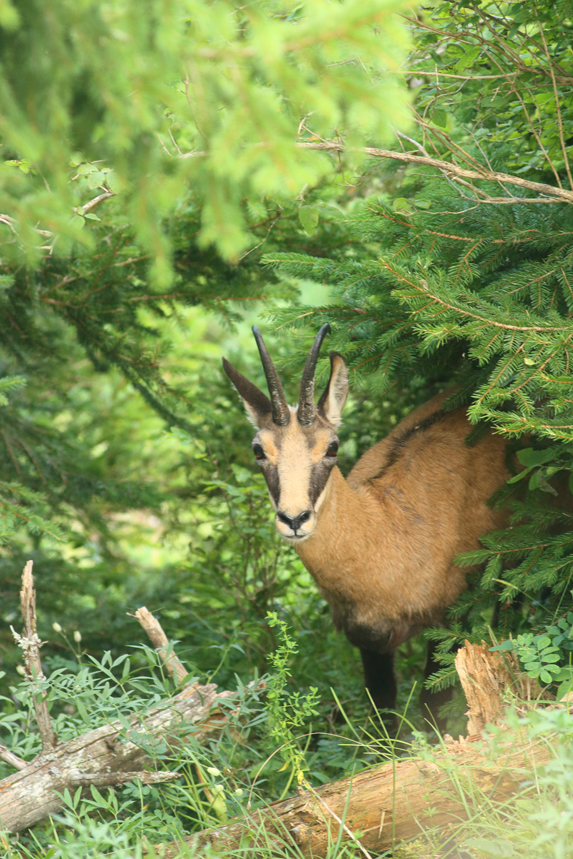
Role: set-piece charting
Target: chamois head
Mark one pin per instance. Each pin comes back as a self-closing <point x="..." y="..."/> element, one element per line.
<point x="296" y="448"/>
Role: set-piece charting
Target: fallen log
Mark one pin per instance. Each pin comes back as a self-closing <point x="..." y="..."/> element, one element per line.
<point x="400" y="800"/>
<point x="108" y="755"/>
<point x="380" y="807"/>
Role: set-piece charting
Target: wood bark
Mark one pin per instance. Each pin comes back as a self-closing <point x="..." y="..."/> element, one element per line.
<point x="400" y="800"/>
<point x="106" y="756"/>
<point x="486" y="679"/>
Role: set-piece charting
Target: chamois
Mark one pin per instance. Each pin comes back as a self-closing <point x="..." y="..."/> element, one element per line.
<point x="379" y="545"/>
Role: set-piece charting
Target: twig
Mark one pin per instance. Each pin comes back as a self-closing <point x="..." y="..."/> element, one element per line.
<point x="110" y="779"/>
<point x="446" y="167"/>
<point x="30" y="645"/>
<point x="161" y="643"/>
<point x="556" y="97"/>
<point x="12" y="759"/>
<point x="99" y="199"/>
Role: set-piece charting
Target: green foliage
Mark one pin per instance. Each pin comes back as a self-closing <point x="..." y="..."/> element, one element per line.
<point x="286" y="715"/>
<point x="112" y="101"/>
<point x="539" y="654"/>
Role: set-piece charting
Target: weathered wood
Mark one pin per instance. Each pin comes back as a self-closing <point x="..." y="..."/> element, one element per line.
<point x="107" y="755"/>
<point x="381" y="807"/>
<point x="30" y="645"/>
<point x="11" y="759"/>
<point x="487" y="677"/>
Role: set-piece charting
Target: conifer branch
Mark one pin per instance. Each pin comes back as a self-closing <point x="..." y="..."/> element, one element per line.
<point x="423" y="289"/>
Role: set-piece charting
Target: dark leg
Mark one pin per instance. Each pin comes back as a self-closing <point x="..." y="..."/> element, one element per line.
<point x="430" y="702"/>
<point x="379" y="678"/>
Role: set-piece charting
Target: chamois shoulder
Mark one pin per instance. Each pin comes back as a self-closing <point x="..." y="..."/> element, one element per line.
<point x="383" y="455"/>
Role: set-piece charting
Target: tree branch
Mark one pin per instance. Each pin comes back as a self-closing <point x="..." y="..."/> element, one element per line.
<point x="449" y="169"/>
<point x="99" y="199"/>
<point x="161" y="643"/>
<point x="103" y="779"/>
<point x="10" y="758"/>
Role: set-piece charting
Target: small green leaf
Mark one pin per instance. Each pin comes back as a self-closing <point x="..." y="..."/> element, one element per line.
<point x="95" y="179"/>
<point x="308" y="216"/>
<point x="531" y="457"/>
<point x="508" y="644"/>
<point x="468" y="59"/>
<point x="401" y="204"/>
<point x="440" y="117"/>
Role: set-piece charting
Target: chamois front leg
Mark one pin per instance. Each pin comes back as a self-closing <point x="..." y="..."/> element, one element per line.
<point x="379" y="679"/>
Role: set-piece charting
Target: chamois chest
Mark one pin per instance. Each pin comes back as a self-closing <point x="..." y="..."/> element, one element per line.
<point x="383" y="551"/>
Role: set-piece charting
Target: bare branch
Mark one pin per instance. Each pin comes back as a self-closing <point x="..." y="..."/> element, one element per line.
<point x="104" y="779"/>
<point x="450" y="169"/>
<point x="161" y="643"/>
<point x="557" y="106"/>
<point x="30" y="645"/>
<point x="92" y="203"/>
<point x="10" y="758"/>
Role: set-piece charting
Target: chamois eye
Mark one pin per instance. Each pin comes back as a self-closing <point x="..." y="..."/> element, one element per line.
<point x="332" y="449"/>
<point x="258" y="451"/>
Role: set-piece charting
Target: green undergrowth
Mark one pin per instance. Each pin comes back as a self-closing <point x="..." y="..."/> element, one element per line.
<point x="268" y="747"/>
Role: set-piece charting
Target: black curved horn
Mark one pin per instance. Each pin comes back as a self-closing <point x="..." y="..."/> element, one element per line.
<point x="306" y="411"/>
<point x="281" y="414"/>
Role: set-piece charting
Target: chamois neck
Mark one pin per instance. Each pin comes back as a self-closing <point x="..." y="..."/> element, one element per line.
<point x="332" y="550"/>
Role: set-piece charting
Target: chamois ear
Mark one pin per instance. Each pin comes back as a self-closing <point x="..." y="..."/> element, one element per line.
<point x="332" y="400"/>
<point x="257" y="405"/>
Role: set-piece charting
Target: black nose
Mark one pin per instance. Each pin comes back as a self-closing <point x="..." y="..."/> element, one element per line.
<point x="295" y="522"/>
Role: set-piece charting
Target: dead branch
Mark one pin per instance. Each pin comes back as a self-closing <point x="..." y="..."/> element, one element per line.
<point x="380" y="807"/>
<point x="108" y="755"/>
<point x="446" y="167"/>
<point x="10" y="758"/>
<point x="30" y="645"/>
<point x="486" y="679"/>
<point x="161" y="643"/>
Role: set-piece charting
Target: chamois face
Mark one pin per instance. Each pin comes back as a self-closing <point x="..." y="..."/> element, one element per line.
<point x="295" y="448"/>
<point x="296" y="462"/>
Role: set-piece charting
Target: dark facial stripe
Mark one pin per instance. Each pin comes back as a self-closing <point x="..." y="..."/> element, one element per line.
<point x="318" y="478"/>
<point x="273" y="482"/>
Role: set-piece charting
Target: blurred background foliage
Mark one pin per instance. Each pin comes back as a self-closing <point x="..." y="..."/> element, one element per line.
<point x="125" y="462"/>
<point x="102" y="100"/>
